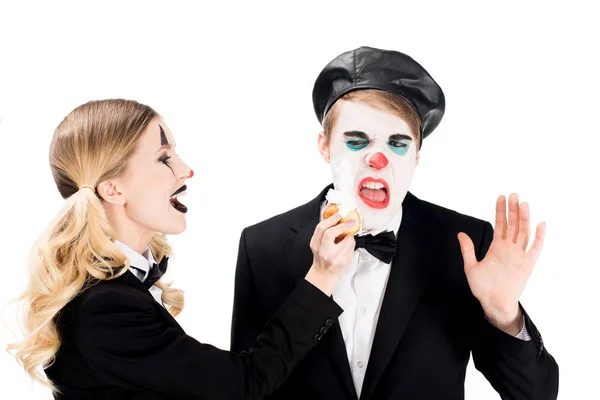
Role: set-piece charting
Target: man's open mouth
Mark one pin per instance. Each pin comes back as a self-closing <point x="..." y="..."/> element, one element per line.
<point x="175" y="201"/>
<point x="374" y="192"/>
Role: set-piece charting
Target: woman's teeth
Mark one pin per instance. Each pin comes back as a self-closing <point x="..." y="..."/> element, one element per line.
<point x="176" y="204"/>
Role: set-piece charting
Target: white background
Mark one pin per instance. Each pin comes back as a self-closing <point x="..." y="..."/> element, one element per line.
<point x="234" y="82"/>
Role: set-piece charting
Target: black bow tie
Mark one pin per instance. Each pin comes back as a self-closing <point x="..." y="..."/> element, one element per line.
<point x="381" y="246"/>
<point x="156" y="271"/>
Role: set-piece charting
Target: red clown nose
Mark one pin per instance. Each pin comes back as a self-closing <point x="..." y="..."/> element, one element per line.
<point x="378" y="161"/>
<point x="191" y="173"/>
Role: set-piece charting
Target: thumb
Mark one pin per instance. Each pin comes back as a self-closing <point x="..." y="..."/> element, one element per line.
<point x="467" y="249"/>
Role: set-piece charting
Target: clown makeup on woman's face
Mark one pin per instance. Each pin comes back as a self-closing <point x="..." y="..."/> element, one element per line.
<point x="144" y="199"/>
<point x="382" y="152"/>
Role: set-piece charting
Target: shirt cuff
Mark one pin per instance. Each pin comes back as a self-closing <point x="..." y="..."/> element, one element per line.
<point x="523" y="335"/>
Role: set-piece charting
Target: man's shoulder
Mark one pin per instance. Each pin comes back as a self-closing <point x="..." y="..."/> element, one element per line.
<point x="279" y="221"/>
<point x="288" y="221"/>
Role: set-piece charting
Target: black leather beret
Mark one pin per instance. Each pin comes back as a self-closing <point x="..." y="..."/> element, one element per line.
<point x="391" y="71"/>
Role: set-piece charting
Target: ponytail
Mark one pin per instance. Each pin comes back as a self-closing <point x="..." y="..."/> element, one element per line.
<point x="72" y="251"/>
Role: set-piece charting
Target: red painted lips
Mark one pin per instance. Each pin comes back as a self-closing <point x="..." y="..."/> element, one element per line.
<point x="374" y="192"/>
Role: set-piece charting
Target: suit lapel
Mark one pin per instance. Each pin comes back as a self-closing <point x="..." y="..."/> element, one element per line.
<point x="408" y="275"/>
<point x="299" y="259"/>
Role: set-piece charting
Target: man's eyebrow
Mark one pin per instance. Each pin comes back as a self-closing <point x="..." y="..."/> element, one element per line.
<point x="400" y="136"/>
<point x="357" y="134"/>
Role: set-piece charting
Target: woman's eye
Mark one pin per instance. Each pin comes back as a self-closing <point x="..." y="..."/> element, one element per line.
<point x="165" y="160"/>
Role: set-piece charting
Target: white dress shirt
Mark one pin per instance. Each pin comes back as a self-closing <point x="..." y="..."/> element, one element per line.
<point x="142" y="263"/>
<point x="360" y="294"/>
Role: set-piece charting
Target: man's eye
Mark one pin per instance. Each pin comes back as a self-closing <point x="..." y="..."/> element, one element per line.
<point x="397" y="144"/>
<point x="356" y="144"/>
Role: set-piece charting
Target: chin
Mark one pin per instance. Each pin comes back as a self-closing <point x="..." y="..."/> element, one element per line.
<point x="376" y="219"/>
<point x="174" y="229"/>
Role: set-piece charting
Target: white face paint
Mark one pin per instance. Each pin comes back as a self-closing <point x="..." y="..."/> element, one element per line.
<point x="382" y="154"/>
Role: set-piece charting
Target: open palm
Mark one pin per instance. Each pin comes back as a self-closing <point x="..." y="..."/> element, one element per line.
<point x="499" y="279"/>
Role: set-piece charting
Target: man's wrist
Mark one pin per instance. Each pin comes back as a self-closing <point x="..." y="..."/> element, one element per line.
<point x="510" y="323"/>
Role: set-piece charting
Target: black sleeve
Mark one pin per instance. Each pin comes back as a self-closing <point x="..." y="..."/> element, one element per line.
<point x="247" y="320"/>
<point x="129" y="346"/>
<point x="516" y="369"/>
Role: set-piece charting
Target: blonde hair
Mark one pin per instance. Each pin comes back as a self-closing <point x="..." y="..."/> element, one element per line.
<point x="93" y="143"/>
<point x="381" y="100"/>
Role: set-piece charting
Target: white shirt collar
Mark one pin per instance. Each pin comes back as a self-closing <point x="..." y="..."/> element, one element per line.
<point x="141" y="261"/>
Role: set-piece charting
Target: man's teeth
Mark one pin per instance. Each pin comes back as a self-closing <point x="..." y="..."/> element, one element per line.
<point x="373" y="185"/>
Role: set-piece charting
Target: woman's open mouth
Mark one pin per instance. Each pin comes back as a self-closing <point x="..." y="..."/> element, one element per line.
<point x="175" y="202"/>
<point x="374" y="192"/>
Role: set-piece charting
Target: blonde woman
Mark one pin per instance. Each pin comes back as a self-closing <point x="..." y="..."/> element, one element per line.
<point x="98" y="319"/>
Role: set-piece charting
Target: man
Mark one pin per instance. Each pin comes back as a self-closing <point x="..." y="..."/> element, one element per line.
<point x="426" y="287"/>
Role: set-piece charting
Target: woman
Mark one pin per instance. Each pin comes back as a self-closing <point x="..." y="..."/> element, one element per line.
<point x="95" y="316"/>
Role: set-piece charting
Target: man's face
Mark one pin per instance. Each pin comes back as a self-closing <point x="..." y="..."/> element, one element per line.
<point x="382" y="153"/>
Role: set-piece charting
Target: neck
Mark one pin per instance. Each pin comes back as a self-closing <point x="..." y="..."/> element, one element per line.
<point x="129" y="233"/>
<point x="138" y="244"/>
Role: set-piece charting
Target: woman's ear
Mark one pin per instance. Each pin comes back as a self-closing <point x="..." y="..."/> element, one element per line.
<point x="109" y="191"/>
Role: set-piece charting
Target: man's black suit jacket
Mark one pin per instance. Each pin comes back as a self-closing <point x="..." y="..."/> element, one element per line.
<point x="117" y="342"/>
<point x="429" y="322"/>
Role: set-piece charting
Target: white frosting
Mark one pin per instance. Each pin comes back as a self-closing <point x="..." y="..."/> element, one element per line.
<point x="346" y="204"/>
<point x="343" y="194"/>
<point x="343" y="175"/>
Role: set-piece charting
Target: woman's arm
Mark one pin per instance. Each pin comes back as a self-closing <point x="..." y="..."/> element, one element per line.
<point x="129" y="346"/>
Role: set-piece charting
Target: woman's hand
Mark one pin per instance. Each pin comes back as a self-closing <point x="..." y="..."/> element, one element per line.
<point x="330" y="259"/>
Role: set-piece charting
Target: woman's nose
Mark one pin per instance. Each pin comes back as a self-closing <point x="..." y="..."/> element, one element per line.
<point x="186" y="172"/>
<point x="377" y="161"/>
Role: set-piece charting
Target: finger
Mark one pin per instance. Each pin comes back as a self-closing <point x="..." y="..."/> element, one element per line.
<point x="523" y="236"/>
<point x="340" y="252"/>
<point x="347" y="245"/>
<point x="513" y="218"/>
<point x="538" y="243"/>
<point x="335" y="231"/>
<point x="500" y="228"/>
<point x="348" y="240"/>
<point x="346" y="250"/>
<point x="322" y="228"/>
<point x="467" y="249"/>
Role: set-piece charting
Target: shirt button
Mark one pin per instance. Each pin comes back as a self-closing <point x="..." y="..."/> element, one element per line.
<point x="360" y="364"/>
<point x="364" y="256"/>
<point x="363" y="310"/>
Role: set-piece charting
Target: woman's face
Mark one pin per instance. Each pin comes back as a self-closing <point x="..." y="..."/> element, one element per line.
<point x="145" y="195"/>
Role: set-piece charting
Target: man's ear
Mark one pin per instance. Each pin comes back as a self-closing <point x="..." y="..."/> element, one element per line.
<point x="324" y="147"/>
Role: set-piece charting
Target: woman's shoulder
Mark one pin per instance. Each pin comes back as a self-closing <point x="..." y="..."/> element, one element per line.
<point x="102" y="301"/>
<point x="120" y="292"/>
